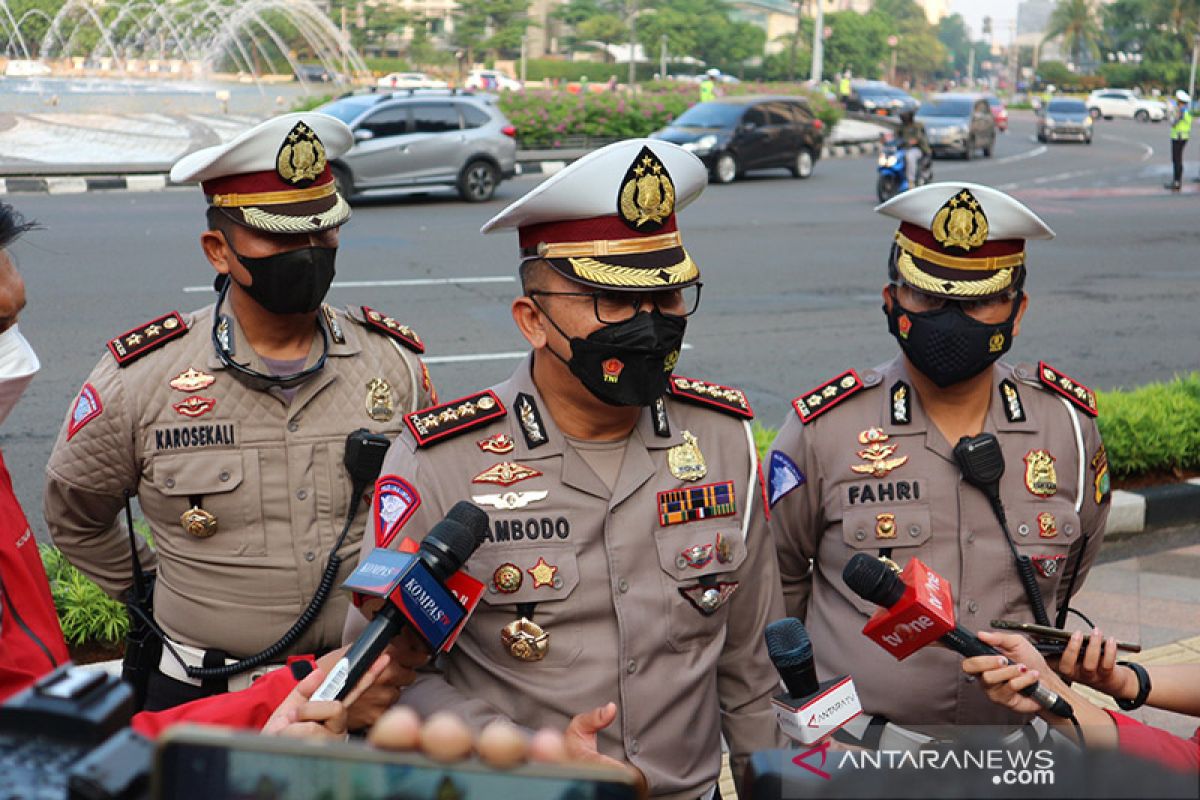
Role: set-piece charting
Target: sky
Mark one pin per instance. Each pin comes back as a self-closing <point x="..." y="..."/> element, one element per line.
<point x="1002" y="12"/>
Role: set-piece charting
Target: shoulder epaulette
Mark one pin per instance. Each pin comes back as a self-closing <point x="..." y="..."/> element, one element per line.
<point x="443" y="421"/>
<point x="133" y="344"/>
<point x="401" y="333"/>
<point x="1069" y="388"/>
<point x="811" y="405"/>
<point x="714" y="395"/>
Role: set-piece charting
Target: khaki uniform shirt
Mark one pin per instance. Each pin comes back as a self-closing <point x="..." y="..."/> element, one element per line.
<point x="271" y="472"/>
<point x="940" y="518"/>
<point x="620" y="627"/>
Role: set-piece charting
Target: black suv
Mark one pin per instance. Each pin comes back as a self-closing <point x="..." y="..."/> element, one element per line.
<point x="736" y="134"/>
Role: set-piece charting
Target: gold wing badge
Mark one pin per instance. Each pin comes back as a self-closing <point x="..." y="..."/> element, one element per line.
<point x="301" y="157"/>
<point x="960" y="222"/>
<point x="647" y="196"/>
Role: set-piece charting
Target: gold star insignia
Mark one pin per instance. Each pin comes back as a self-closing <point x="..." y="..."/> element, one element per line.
<point x="153" y="330"/>
<point x="639" y="171"/>
<point x="133" y="340"/>
<point x="543" y="573"/>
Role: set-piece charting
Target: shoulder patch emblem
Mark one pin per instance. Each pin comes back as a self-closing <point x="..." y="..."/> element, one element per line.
<point x="1069" y="388"/>
<point x="396" y="500"/>
<point x="723" y="398"/>
<point x="448" y="419"/>
<point x="87" y="407"/>
<point x="784" y="477"/>
<point x="813" y="404"/>
<point x="386" y="325"/>
<point x="133" y="344"/>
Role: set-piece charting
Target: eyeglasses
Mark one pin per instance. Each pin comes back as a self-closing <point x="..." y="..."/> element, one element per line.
<point x="927" y="302"/>
<point x="614" y="307"/>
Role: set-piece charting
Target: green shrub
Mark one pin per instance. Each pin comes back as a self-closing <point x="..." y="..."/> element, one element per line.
<point x="85" y="612"/>
<point x="1154" y="428"/>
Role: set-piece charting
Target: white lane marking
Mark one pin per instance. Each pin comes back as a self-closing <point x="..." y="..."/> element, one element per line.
<point x="1060" y="176"/>
<point x="395" y="283"/>
<point x="1034" y="153"/>
<point x="1145" y="156"/>
<point x="469" y="357"/>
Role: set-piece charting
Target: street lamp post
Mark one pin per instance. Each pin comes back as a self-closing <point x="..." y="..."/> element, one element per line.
<point x="662" y="56"/>
<point x="892" y="41"/>
<point x="633" y="12"/>
<point x="795" y="41"/>
<point x="818" y="43"/>
<point x="1192" y="76"/>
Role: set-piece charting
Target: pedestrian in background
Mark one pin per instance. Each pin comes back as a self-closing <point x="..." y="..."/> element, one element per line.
<point x="1181" y="131"/>
<point x="708" y="86"/>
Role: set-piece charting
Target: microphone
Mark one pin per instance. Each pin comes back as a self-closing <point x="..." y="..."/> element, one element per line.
<point x="413" y="586"/>
<point x="809" y="710"/>
<point x="917" y="610"/>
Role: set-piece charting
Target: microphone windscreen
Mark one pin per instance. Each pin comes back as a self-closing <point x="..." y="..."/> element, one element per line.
<point x="872" y="580"/>
<point x="788" y="643"/>
<point x="471" y="517"/>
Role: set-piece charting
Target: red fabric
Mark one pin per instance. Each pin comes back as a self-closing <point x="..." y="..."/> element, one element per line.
<point x="248" y="709"/>
<point x="26" y="653"/>
<point x="255" y="182"/>
<point x="1156" y="744"/>
<point x="586" y="230"/>
<point x="997" y="247"/>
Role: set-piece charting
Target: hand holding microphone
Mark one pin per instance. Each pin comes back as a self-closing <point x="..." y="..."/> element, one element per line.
<point x="917" y="611"/>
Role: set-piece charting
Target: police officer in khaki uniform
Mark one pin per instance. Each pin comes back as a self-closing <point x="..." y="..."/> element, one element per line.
<point x="866" y="464"/>
<point x="628" y="559"/>
<point x="230" y="423"/>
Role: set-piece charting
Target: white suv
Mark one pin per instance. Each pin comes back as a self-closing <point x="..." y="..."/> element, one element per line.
<point x="1109" y="103"/>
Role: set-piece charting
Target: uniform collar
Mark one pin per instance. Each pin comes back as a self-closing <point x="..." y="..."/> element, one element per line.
<point x="347" y="344"/>
<point x="896" y="371"/>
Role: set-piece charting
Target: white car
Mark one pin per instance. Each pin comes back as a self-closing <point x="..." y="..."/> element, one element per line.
<point x="410" y="80"/>
<point x="1110" y="103"/>
<point x="490" y="80"/>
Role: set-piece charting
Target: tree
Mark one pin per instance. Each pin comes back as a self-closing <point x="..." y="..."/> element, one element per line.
<point x="494" y="26"/>
<point x="858" y="43"/>
<point x="702" y="29"/>
<point x="606" y="29"/>
<point x="1074" y="21"/>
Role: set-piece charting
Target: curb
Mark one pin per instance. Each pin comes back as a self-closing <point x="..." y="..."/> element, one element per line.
<point x="1140" y="510"/>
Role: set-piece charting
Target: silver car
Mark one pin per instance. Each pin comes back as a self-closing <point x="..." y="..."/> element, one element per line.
<point x="419" y="138"/>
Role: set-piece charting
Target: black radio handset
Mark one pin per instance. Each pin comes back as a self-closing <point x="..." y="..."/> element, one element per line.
<point x="982" y="464"/>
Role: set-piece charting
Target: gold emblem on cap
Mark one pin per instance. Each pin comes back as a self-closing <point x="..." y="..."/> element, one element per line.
<point x="525" y="640"/>
<point x="685" y="460"/>
<point x="379" y="400"/>
<point x="647" y="193"/>
<point x="301" y="158"/>
<point x="198" y="522"/>
<point x="960" y="222"/>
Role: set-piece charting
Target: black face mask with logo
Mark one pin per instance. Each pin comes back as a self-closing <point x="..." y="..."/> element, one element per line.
<point x="294" y="282"/>
<point x="947" y="345"/>
<point x="627" y="363"/>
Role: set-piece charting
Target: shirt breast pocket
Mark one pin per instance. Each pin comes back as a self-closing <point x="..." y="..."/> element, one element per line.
<point x="902" y="529"/>
<point x="223" y="489"/>
<point x="697" y="563"/>
<point x="1045" y="532"/>
<point x="538" y="580"/>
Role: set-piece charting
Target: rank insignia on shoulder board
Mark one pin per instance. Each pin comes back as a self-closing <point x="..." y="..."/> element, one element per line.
<point x="1014" y="411"/>
<point x="132" y="345"/>
<point x="390" y="327"/>
<point x="722" y="398"/>
<point x="813" y="404"/>
<point x="467" y="413"/>
<point x="1073" y="390"/>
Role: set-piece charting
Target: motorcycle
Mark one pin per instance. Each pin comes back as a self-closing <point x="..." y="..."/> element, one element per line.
<point x="893" y="170"/>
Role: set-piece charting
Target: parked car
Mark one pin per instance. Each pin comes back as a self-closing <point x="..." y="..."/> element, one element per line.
<point x="1065" y="118"/>
<point x="959" y="124"/>
<point x="314" y="73"/>
<point x="879" y="99"/>
<point x="736" y="134"/>
<point x="410" y="80"/>
<point x="424" y="138"/>
<point x="1126" y="104"/>
<point x="999" y="112"/>
<point x="490" y="80"/>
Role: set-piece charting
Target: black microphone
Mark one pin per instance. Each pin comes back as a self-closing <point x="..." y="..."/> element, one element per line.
<point x="876" y="582"/>
<point x="792" y="654"/>
<point x="442" y="552"/>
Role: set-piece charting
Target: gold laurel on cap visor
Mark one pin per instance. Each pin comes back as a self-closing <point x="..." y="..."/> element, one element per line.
<point x="311" y="216"/>
<point x="947" y="282"/>
<point x="671" y="268"/>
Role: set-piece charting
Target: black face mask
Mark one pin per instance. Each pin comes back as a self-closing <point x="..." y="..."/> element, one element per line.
<point x="948" y="346"/>
<point x="627" y="363"/>
<point x="294" y="282"/>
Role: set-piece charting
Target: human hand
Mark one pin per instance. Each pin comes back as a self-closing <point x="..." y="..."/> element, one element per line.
<point x="301" y="717"/>
<point x="581" y="741"/>
<point x="1094" y="663"/>
<point x="406" y="653"/>
<point x="1018" y="667"/>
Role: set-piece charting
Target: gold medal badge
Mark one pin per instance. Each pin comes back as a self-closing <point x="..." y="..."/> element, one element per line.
<point x="960" y="222"/>
<point x="877" y="454"/>
<point x="198" y="522"/>
<point x="885" y="526"/>
<point x="1041" y="478"/>
<point x="301" y="157"/>
<point x="380" y="406"/>
<point x="525" y="640"/>
<point x="685" y="460"/>
<point x="647" y="196"/>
